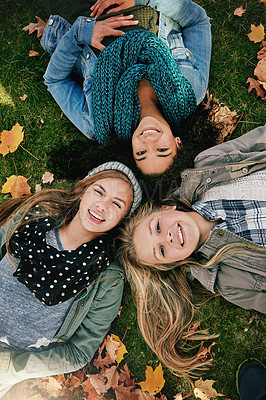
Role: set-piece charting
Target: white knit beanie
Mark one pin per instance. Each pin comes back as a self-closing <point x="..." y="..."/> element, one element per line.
<point x="115" y="165"/>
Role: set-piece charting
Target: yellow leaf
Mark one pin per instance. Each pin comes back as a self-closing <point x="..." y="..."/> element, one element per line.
<point x="16" y="185"/>
<point x="257" y="33"/>
<point x="204" y="390"/>
<point x="10" y="140"/>
<point x="121" y="351"/>
<point x="154" y="380"/>
<point x="239" y="11"/>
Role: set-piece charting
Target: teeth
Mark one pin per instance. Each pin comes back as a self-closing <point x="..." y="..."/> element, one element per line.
<point x="150" y="131"/>
<point x="96" y="216"/>
<point x="180" y="235"/>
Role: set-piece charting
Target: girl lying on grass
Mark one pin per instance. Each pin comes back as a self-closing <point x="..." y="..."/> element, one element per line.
<point x="211" y="230"/>
<point x="60" y="287"/>
<point x="141" y="86"/>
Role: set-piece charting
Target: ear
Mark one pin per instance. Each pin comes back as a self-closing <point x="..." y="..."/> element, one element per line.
<point x="165" y="207"/>
<point x="178" y="142"/>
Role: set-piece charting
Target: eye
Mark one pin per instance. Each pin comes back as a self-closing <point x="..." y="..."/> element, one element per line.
<point x="116" y="204"/>
<point x="98" y="191"/>
<point x="162" y="251"/>
<point x="140" y="153"/>
<point x="162" y="149"/>
<point x="158" y="229"/>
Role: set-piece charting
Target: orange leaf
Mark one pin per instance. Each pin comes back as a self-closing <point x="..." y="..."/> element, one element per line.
<point x="10" y="140"/>
<point x="262" y="53"/>
<point x="16" y="185"/>
<point x="239" y="11"/>
<point x="103" y="381"/>
<point x="260" y="70"/>
<point x="154" y="380"/>
<point x="257" y="33"/>
<point x="33" y="53"/>
<point x="256" y="85"/>
<point x="121" y="351"/>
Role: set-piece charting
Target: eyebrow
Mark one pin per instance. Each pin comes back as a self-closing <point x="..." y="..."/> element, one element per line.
<point x="117" y="198"/>
<point x="154" y="250"/>
<point x="157" y="155"/>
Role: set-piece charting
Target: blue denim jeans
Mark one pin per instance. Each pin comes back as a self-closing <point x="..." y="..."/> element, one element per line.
<point x="184" y="27"/>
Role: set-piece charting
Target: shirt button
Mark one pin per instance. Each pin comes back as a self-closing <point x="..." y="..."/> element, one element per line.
<point x="213" y="214"/>
<point x="88" y="55"/>
<point x="208" y="180"/>
<point x="244" y="170"/>
<point x="187" y="53"/>
<point x="50" y="21"/>
<point x="220" y="234"/>
<point x="88" y="19"/>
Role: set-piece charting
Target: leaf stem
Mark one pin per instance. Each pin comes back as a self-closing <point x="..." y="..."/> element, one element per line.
<point x="15" y="166"/>
<point x="29" y="153"/>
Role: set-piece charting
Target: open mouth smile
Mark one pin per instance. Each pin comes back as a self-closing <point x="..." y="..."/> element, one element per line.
<point x="180" y="235"/>
<point x="149" y="130"/>
<point x="95" y="217"/>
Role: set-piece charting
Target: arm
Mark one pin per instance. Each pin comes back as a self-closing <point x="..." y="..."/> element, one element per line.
<point x="67" y="92"/>
<point x="81" y="347"/>
<point x="248" y="147"/>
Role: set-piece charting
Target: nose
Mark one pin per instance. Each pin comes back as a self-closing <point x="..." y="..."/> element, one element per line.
<point x="102" y="206"/>
<point x="169" y="237"/>
<point x="149" y="138"/>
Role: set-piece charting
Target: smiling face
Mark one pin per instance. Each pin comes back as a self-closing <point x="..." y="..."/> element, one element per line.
<point x="104" y="204"/>
<point x="167" y="236"/>
<point x="154" y="146"/>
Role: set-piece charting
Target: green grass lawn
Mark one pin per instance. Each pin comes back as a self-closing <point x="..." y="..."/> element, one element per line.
<point x="233" y="61"/>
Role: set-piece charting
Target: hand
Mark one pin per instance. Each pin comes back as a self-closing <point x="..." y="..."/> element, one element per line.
<point x="108" y="27"/>
<point x="101" y="5"/>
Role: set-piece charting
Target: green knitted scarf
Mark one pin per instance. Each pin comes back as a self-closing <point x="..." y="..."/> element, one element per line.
<point x="120" y="67"/>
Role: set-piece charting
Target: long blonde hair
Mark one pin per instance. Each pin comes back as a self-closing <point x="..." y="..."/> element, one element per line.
<point x="164" y="299"/>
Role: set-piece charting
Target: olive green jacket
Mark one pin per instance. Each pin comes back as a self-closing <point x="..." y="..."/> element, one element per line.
<point x="80" y="335"/>
<point x="241" y="277"/>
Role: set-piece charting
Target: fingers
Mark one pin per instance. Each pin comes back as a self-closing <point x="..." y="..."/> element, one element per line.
<point x="100" y="6"/>
<point x="118" y="21"/>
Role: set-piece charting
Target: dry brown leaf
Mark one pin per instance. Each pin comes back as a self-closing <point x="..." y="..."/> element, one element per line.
<point x="257" y="33"/>
<point x="204" y="389"/>
<point x="88" y="388"/>
<point x="33" y="53"/>
<point x="262" y="1"/>
<point x="260" y="70"/>
<point x="204" y="352"/>
<point x="239" y="11"/>
<point x="126" y="393"/>
<point x="35" y="26"/>
<point x="125" y="377"/>
<point x="103" y="381"/>
<point x="222" y="118"/>
<point x="178" y="396"/>
<point x="121" y="350"/>
<point x="262" y="53"/>
<point x="253" y="84"/>
<point x="17" y="186"/>
<point x="112" y="346"/>
<point x="154" y="380"/>
<point x="23" y="98"/>
<point x="10" y="140"/>
<point x="47" y="177"/>
<point x="38" y="188"/>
